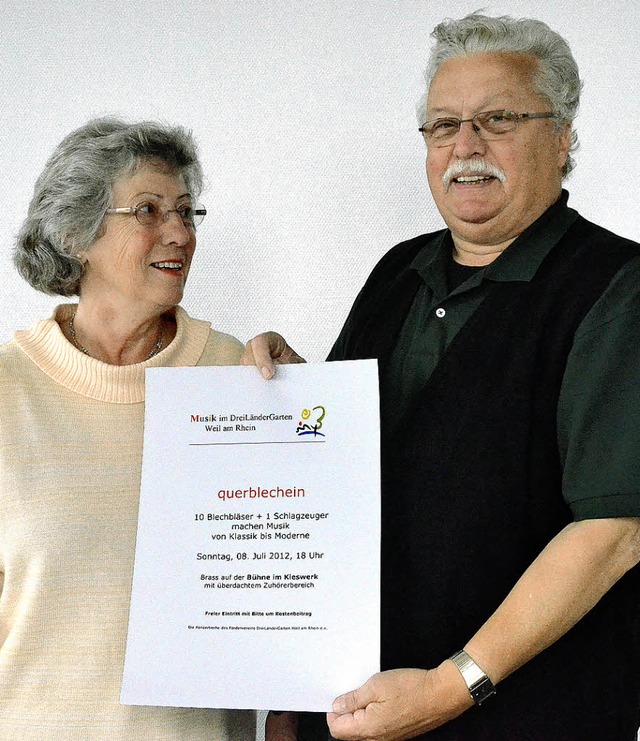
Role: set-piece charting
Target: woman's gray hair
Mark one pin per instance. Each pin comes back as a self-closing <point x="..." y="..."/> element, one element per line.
<point x="557" y="79"/>
<point x="71" y="195"/>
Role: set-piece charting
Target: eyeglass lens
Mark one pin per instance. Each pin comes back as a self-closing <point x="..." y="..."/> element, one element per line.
<point x="487" y="124"/>
<point x="150" y="214"/>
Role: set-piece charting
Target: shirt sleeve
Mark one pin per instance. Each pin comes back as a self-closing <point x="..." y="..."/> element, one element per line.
<point x="599" y="406"/>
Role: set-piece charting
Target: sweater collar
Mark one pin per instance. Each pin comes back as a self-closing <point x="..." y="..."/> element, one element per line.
<point x="47" y="347"/>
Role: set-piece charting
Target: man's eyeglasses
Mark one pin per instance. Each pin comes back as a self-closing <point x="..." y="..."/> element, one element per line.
<point x="488" y="125"/>
<point x="150" y="214"/>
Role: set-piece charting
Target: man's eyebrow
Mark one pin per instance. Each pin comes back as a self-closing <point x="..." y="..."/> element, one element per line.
<point x="502" y="95"/>
<point x="434" y="111"/>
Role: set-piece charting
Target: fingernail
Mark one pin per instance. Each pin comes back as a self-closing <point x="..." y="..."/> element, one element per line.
<point x="266" y="373"/>
<point x="339" y="705"/>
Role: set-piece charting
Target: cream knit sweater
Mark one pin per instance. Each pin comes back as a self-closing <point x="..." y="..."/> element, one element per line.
<point x="70" y="457"/>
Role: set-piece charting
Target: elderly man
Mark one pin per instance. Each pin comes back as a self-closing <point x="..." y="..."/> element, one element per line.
<point x="510" y="393"/>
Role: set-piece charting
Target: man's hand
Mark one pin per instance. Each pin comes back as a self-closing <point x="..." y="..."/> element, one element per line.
<point x="267" y="350"/>
<point x="281" y="727"/>
<point x="400" y="704"/>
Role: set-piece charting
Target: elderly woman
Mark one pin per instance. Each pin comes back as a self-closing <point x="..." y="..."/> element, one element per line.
<point x="113" y="220"/>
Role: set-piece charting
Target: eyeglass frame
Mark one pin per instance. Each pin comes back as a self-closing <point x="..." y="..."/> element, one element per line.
<point x="518" y="117"/>
<point x="198" y="210"/>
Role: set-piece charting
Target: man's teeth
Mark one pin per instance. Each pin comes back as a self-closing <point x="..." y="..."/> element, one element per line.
<point x="168" y="265"/>
<point x="472" y="178"/>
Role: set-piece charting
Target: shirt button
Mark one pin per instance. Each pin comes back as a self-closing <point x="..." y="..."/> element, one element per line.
<point x="440" y="312"/>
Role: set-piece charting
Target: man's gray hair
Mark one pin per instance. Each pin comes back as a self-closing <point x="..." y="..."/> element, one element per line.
<point x="557" y="79"/>
<point x="71" y="195"/>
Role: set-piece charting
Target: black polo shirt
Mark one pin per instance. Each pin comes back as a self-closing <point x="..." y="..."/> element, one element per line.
<point x="601" y="384"/>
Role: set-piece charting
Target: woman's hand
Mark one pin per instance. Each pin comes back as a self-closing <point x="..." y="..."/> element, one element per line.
<point x="267" y="350"/>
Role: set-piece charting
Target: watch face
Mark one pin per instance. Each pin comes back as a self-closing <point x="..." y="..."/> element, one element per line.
<point x="482" y="691"/>
<point x="478" y="683"/>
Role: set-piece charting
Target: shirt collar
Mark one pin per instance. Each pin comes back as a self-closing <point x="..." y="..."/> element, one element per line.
<point x="519" y="262"/>
<point x="431" y="263"/>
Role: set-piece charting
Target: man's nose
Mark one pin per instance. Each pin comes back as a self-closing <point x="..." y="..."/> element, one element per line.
<point x="468" y="141"/>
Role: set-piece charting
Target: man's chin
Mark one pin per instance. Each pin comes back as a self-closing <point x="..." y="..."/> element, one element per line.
<point x="473" y="215"/>
<point x="472" y="205"/>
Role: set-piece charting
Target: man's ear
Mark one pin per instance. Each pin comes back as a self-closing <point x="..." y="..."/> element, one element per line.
<point x="565" y="140"/>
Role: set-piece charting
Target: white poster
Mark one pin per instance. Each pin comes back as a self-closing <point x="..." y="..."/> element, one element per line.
<point x="256" y="580"/>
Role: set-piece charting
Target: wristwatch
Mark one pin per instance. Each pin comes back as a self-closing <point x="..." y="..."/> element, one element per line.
<point x="479" y="685"/>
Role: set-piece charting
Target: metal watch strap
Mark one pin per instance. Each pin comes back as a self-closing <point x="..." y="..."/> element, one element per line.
<point x="479" y="685"/>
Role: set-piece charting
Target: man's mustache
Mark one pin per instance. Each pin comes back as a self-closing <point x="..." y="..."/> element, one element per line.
<point x="472" y="166"/>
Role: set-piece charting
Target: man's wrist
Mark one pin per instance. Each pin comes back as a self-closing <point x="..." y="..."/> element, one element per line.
<point x="478" y="683"/>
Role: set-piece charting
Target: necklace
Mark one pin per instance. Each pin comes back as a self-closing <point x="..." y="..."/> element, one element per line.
<point x="72" y="331"/>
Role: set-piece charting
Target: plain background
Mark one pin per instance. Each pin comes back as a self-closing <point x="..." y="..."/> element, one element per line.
<point x="305" y="115"/>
